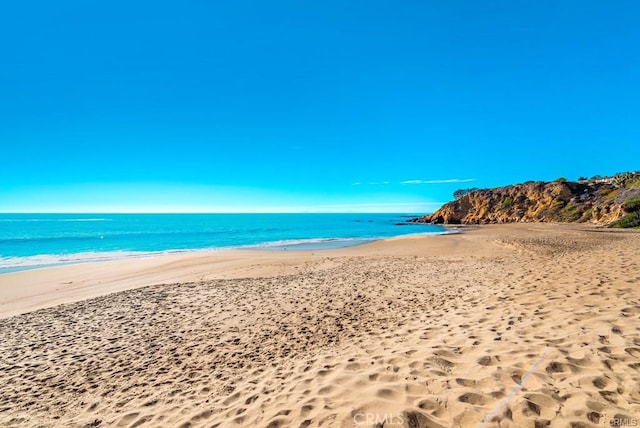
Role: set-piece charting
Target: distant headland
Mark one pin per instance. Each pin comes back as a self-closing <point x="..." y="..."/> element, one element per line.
<point x="613" y="201"/>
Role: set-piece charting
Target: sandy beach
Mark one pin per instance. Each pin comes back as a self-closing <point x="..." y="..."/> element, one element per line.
<point x="509" y="326"/>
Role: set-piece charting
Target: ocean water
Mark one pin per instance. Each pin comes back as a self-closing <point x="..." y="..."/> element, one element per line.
<point x="29" y="241"/>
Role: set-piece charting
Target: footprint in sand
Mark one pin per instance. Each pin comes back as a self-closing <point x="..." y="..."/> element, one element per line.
<point x="472" y="398"/>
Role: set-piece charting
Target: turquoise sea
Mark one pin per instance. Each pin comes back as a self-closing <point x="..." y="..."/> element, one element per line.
<point x="30" y="241"/>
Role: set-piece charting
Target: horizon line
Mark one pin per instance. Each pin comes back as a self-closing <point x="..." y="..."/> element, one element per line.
<point x="205" y="212"/>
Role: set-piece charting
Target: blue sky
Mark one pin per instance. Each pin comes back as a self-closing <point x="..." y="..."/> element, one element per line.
<point x="308" y="106"/>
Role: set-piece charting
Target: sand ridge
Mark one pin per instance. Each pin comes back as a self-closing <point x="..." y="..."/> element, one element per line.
<point x="511" y="326"/>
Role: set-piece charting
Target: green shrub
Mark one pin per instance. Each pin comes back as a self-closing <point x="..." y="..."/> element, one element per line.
<point x="571" y="217"/>
<point x="560" y="180"/>
<point x="632" y="183"/>
<point x="588" y="213"/>
<point x="610" y="193"/>
<point x="569" y="213"/>
<point x="627" y="179"/>
<point x="627" y="221"/>
<point x="507" y="202"/>
<point x="631" y="205"/>
<point x="461" y="192"/>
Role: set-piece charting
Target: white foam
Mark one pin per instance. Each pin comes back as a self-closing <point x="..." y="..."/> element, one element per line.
<point x="48" y="260"/>
<point x="41" y="260"/>
<point x="307" y="241"/>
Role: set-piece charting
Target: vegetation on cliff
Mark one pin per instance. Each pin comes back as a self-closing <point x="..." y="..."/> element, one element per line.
<point x="614" y="201"/>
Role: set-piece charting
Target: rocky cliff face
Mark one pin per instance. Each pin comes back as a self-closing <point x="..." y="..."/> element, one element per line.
<point x="602" y="201"/>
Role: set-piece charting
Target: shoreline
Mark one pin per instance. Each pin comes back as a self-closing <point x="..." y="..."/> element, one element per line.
<point x="302" y="244"/>
<point x="84" y="280"/>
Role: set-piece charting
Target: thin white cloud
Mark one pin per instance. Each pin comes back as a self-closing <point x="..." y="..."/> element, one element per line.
<point x="378" y="204"/>
<point x="378" y="183"/>
<point x="449" y="180"/>
<point x="390" y="207"/>
<point x="357" y="183"/>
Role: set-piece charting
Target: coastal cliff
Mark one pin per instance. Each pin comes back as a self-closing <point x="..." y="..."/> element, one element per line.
<point x="612" y="201"/>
